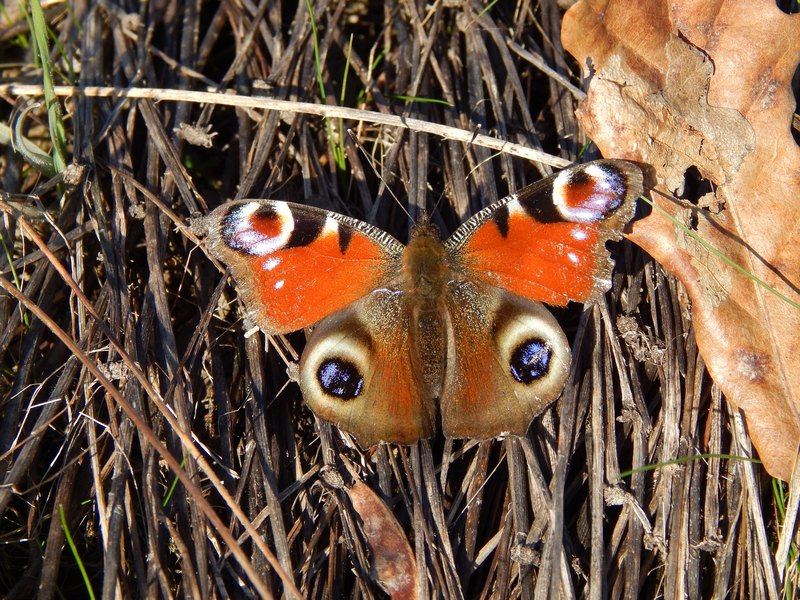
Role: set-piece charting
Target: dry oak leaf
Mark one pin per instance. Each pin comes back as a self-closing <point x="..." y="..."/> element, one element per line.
<point x="393" y="565"/>
<point x="684" y="83"/>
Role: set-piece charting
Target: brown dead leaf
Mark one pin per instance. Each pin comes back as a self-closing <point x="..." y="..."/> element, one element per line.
<point x="688" y="83"/>
<point x="393" y="565"/>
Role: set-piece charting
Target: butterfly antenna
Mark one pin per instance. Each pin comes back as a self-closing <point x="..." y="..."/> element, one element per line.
<point x="438" y="203"/>
<point x="384" y="185"/>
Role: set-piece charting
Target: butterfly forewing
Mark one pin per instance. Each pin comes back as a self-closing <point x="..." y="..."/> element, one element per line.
<point x="547" y="242"/>
<point x="295" y="264"/>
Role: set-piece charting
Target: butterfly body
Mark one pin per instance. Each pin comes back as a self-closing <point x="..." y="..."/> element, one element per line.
<point x="453" y="332"/>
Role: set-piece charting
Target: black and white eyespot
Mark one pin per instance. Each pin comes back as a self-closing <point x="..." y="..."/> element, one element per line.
<point x="258" y="229"/>
<point x="588" y="193"/>
<point x="333" y="370"/>
<point x="531" y="360"/>
<point x="340" y="378"/>
<point x="534" y="350"/>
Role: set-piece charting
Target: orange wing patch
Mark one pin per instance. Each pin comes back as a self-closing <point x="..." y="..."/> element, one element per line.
<point x="295" y="264"/>
<point x="547" y="242"/>
<point x="552" y="263"/>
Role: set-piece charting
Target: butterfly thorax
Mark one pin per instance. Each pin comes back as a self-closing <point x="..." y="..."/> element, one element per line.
<point x="424" y="272"/>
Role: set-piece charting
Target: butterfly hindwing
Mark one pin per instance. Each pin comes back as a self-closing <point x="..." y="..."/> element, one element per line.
<point x="509" y="361"/>
<point x="357" y="372"/>
<point x="296" y="264"/>
<point x="547" y="241"/>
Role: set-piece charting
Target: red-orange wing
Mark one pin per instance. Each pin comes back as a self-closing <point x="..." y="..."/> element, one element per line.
<point x="295" y="264"/>
<point x="547" y="241"/>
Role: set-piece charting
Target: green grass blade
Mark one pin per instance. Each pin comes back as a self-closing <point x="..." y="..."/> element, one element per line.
<point x="338" y="151"/>
<point x="173" y="486"/>
<point x="422" y="100"/>
<point x="37" y="158"/>
<point x="74" y="549"/>
<point x="686" y="459"/>
<point x="55" y="120"/>
<point x="723" y="256"/>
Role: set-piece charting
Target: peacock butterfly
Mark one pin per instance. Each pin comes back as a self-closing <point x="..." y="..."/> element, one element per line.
<point x="455" y="330"/>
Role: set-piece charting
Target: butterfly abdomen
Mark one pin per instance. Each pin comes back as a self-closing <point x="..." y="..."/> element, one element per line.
<point x="424" y="281"/>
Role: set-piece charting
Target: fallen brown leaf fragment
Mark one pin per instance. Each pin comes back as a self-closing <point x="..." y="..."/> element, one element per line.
<point x="684" y="84"/>
<point x="393" y="565"/>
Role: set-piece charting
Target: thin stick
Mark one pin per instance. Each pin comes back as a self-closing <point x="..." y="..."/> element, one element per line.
<point x="322" y="110"/>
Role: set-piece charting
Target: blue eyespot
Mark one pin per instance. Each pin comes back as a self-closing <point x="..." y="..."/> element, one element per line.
<point x="340" y="378"/>
<point x="531" y="360"/>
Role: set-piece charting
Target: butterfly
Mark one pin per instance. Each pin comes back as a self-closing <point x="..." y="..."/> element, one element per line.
<point x="407" y="338"/>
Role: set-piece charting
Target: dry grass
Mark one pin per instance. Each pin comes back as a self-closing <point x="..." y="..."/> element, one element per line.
<point x="123" y="348"/>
